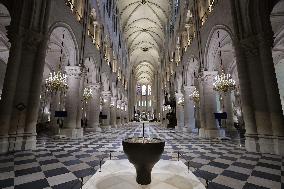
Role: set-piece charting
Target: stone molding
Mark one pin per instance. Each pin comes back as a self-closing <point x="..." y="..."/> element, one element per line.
<point x="189" y="89"/>
<point x="106" y="94"/>
<point x="95" y="87"/>
<point x="209" y="76"/>
<point x="73" y="71"/>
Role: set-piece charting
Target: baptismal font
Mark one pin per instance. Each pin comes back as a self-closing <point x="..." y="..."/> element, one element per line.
<point x="143" y="153"/>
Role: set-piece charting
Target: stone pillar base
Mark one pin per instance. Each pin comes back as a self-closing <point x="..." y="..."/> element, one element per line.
<point x="279" y="146"/>
<point x="212" y="133"/>
<point x="266" y="144"/>
<point x="232" y="133"/>
<point x="55" y="130"/>
<point x="73" y="133"/>
<point x="192" y="130"/>
<point x="106" y="127"/>
<point x="4" y="144"/>
<point x="251" y="143"/>
<point x="177" y="128"/>
<point x="22" y="142"/>
<point x="93" y="129"/>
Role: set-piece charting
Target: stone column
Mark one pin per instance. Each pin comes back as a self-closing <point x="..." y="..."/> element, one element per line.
<point x="189" y="119"/>
<point x="228" y="108"/>
<point x="9" y="86"/>
<point x="80" y="102"/>
<point x="22" y="131"/>
<point x="179" y="112"/>
<point x="95" y="30"/>
<point x="113" y="112"/>
<point x="118" y="113"/>
<point x="106" y="95"/>
<point x="126" y="114"/>
<point x="33" y="104"/>
<point x="246" y="95"/>
<point x="54" y="106"/>
<point x="94" y="110"/>
<point x="209" y="106"/>
<point x="72" y="101"/>
<point x="272" y="94"/>
<point x="122" y="114"/>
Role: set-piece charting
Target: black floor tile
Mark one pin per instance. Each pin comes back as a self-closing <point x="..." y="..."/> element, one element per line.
<point x="57" y="171"/>
<point x="218" y="164"/>
<point x="39" y="184"/>
<point x="252" y="186"/>
<point x="48" y="161"/>
<point x="75" y="184"/>
<point x="72" y="162"/>
<point x="217" y="186"/>
<point x="235" y="175"/>
<point x="266" y="176"/>
<point x="7" y="183"/>
<point x="27" y="171"/>
<point x="205" y="175"/>
<point x="271" y="166"/>
<point x="243" y="165"/>
<point x="84" y="172"/>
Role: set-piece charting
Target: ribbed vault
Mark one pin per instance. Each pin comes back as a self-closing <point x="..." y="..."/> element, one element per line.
<point x="143" y="24"/>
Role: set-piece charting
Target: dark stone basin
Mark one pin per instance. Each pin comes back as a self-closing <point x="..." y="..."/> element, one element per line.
<point x="143" y="153"/>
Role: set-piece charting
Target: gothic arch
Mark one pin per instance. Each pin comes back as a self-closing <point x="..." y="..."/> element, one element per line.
<point x="212" y="45"/>
<point x="69" y="29"/>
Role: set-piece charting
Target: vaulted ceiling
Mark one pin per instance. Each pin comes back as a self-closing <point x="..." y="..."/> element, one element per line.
<point x="143" y="23"/>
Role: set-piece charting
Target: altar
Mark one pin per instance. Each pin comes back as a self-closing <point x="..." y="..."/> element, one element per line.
<point x="120" y="174"/>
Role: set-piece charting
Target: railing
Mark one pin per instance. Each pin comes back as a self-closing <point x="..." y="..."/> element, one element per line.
<point x="75" y="186"/>
<point x="179" y="155"/>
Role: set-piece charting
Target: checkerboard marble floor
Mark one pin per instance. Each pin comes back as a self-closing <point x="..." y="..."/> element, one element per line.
<point x="61" y="163"/>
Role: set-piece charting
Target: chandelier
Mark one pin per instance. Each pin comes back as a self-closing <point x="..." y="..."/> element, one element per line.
<point x="224" y="83"/>
<point x="87" y="94"/>
<point x="195" y="96"/>
<point x="181" y="101"/>
<point x="56" y="82"/>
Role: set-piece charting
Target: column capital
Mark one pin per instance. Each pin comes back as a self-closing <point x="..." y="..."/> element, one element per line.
<point x="187" y="26"/>
<point x="119" y="102"/>
<point x="189" y="89"/>
<point x="113" y="98"/>
<point x="209" y="75"/>
<point x="106" y="94"/>
<point x="73" y="71"/>
<point x="95" y="87"/>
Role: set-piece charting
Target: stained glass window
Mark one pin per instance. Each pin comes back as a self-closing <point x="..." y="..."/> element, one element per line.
<point x="144" y="90"/>
<point x="149" y="90"/>
<point x="138" y="90"/>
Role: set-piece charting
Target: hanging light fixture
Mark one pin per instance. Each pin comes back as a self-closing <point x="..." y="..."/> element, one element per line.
<point x="224" y="83"/>
<point x="181" y="101"/>
<point x="57" y="81"/>
<point x="194" y="96"/>
<point x="87" y="94"/>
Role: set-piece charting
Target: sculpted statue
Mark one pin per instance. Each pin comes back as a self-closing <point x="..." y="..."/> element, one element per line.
<point x="105" y="82"/>
<point x="113" y="89"/>
<point x="94" y="72"/>
<point x="119" y="94"/>
<point x="179" y="82"/>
